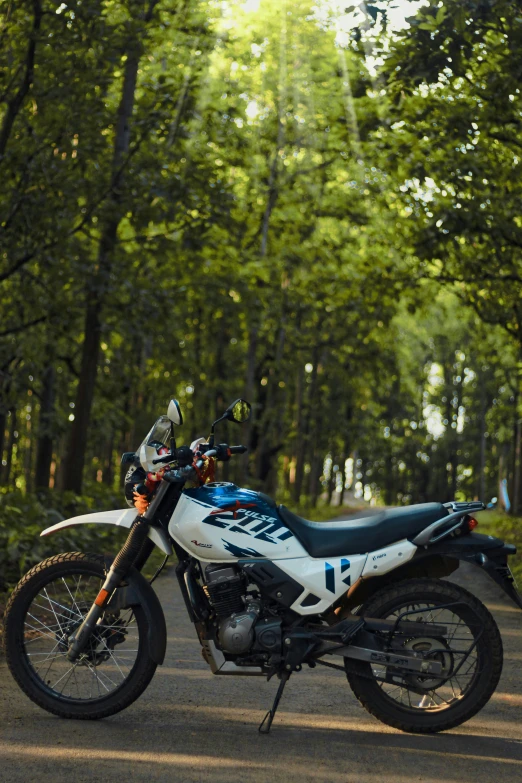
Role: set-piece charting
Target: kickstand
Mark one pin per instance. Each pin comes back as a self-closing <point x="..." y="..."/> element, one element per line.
<point x="266" y="723"/>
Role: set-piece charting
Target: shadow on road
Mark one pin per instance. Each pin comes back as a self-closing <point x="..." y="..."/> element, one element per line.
<point x="211" y="747"/>
<point x="191" y="727"/>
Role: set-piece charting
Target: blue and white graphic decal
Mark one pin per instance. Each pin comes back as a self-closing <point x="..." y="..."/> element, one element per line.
<point x="233" y="522"/>
<point x="242" y="511"/>
<point x="239" y="551"/>
<point x="330" y="574"/>
<point x="326" y="579"/>
<point x="243" y="520"/>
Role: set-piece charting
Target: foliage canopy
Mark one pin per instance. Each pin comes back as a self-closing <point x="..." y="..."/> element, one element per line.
<point x="206" y="200"/>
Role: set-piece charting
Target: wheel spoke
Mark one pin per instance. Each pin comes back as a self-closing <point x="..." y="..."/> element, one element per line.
<point x="113" y="658"/>
<point x="53" y="602"/>
<point x="452" y="651"/>
<point x="46" y="635"/>
<point x="72" y="597"/>
<point x="52" y="611"/>
<point x="54" y="615"/>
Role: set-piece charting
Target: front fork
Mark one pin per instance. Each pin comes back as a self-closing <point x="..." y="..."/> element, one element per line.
<point x="121" y="566"/>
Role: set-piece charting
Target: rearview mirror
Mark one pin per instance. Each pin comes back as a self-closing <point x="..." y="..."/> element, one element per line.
<point x="174" y="412"/>
<point x="239" y="411"/>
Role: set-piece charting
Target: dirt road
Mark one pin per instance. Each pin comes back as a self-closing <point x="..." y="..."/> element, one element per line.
<point x="193" y="727"/>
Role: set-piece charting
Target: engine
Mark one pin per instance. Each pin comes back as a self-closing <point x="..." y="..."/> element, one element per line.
<point x="240" y="626"/>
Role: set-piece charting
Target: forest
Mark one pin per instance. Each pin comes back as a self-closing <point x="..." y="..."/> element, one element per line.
<point x="312" y="206"/>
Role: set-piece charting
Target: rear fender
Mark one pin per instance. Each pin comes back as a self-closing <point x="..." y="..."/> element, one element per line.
<point x="138" y="592"/>
<point x="487" y="552"/>
<point x="120" y="517"/>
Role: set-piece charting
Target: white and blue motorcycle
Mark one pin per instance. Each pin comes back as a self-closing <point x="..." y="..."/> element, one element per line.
<point x="268" y="593"/>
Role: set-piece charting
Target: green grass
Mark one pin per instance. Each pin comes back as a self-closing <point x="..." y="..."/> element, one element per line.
<point x="496" y="523"/>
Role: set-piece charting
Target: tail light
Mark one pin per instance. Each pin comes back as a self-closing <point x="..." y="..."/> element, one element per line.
<point x="472" y="523"/>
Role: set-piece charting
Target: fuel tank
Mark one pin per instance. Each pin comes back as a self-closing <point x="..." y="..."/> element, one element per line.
<point x="220" y="521"/>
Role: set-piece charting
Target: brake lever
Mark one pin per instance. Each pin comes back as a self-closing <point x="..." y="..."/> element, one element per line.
<point x="166" y="458"/>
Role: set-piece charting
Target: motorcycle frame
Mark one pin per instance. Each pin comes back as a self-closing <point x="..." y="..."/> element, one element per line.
<point x="438" y="554"/>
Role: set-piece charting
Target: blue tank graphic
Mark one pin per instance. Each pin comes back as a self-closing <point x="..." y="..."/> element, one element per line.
<point x="236" y="510"/>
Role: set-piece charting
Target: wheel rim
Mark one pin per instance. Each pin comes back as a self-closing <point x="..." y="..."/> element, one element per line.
<point x="457" y="651"/>
<point x="52" y="615"/>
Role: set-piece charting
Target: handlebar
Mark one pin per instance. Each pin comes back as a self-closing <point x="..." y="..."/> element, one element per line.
<point x="238" y="449"/>
<point x="188" y="472"/>
<point x="222" y="452"/>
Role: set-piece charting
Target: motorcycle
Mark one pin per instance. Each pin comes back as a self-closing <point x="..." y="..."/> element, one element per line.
<point x="84" y="634"/>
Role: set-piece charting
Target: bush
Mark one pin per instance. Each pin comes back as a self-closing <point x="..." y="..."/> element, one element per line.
<point x="24" y="516"/>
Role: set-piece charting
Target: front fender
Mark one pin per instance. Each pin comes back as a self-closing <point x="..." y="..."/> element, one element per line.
<point x="138" y="592"/>
<point x="120" y="517"/>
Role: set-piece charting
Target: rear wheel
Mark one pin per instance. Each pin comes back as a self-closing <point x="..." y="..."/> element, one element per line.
<point x="45" y="609"/>
<point x="470" y="653"/>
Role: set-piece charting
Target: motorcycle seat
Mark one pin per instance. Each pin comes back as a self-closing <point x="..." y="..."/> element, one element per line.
<point x="363" y="533"/>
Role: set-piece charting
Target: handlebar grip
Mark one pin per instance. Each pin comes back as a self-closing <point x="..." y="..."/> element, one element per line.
<point x="238" y="449"/>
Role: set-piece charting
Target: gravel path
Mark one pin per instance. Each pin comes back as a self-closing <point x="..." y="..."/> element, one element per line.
<point x="193" y="727"/>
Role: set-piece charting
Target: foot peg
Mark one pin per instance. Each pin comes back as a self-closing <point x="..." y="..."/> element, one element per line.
<point x="266" y="723"/>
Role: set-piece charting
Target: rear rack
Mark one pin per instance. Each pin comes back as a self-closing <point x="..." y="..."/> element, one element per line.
<point x="429" y="534"/>
<point x="469" y="506"/>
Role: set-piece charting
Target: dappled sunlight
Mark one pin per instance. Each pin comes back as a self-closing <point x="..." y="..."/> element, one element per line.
<point x="218" y="766"/>
<point x="426" y="750"/>
<point x="314" y="204"/>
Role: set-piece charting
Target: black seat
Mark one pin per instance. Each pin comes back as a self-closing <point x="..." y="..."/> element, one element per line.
<point x="364" y="533"/>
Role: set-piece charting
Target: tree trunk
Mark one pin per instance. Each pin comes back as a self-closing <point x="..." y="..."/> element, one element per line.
<point x="270" y="429"/>
<point x="315" y="473"/>
<point x="482" y="467"/>
<point x="15" y="104"/>
<point x="514" y="483"/>
<point x="346" y="450"/>
<point x="250" y="396"/>
<point x="304" y="431"/>
<point x="342" y="470"/>
<point x="44" y="446"/>
<point x="516" y="467"/>
<point x="316" y="462"/>
<point x="272" y="196"/>
<point x="332" y="480"/>
<point x="10" y="447"/>
<point x="75" y="460"/>
<point x="28" y="453"/>
<point x="108" y="469"/>
<point x="73" y="468"/>
<point x="3" y="424"/>
<point x="299" y="446"/>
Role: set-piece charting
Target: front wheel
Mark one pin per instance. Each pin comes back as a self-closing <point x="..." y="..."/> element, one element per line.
<point x="45" y="609"/>
<point x="470" y="653"/>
